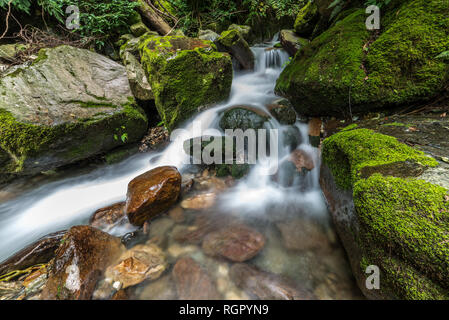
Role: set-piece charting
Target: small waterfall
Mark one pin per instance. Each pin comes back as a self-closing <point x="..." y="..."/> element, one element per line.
<point x="71" y="201"/>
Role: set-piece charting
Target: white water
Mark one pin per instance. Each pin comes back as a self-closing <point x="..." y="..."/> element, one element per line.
<point x="59" y="205"/>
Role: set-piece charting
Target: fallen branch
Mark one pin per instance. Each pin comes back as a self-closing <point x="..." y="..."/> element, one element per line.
<point x="155" y="20"/>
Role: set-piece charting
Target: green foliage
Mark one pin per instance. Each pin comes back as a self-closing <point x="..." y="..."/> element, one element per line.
<point x="52" y="7"/>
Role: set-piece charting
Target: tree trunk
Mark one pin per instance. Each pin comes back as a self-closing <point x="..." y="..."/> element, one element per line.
<point x="156" y="21"/>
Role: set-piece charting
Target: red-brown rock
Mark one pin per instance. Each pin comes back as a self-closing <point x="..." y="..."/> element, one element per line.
<point x="193" y="282"/>
<point x="105" y="218"/>
<point x="80" y="261"/>
<point x="236" y="242"/>
<point x="152" y="193"/>
<point x="301" y="160"/>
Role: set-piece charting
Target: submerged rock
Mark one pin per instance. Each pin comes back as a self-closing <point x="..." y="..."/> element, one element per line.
<point x="232" y="41"/>
<point x="236" y="242"/>
<point x="265" y="286"/>
<point x="193" y="282"/>
<point x="68" y="105"/>
<point x="303" y="234"/>
<point x="141" y="263"/>
<point x="375" y="73"/>
<point x="243" y="117"/>
<point x="152" y="193"/>
<point x="185" y="74"/>
<point x="199" y="202"/>
<point x="80" y="261"/>
<point x="302" y="160"/>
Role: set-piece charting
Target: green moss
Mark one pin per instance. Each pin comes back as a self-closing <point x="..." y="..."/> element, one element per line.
<point x="185" y="74"/>
<point x="394" y="68"/>
<point x="409" y="219"/>
<point x="347" y="152"/>
<point x="306" y="19"/>
<point x="229" y="38"/>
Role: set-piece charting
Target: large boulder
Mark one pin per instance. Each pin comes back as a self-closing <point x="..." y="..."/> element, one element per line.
<point x="185" y="74"/>
<point x="345" y="69"/>
<point x="291" y="42"/>
<point x="389" y="210"/>
<point x="245" y="32"/>
<point x="233" y="42"/>
<point x="152" y="193"/>
<point x="68" y="105"/>
<point x="80" y="261"/>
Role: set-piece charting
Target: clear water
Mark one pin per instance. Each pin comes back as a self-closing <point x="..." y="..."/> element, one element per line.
<point x="257" y="199"/>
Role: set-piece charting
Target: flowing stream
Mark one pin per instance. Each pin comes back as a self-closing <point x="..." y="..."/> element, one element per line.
<point x="261" y="201"/>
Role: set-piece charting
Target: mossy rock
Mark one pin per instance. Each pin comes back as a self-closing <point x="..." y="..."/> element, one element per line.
<point x="231" y="41"/>
<point x="396" y="68"/>
<point x="9" y="51"/>
<point x="398" y="222"/>
<point x="291" y="42"/>
<point x="64" y="108"/>
<point x="242" y="117"/>
<point x="139" y="29"/>
<point x="245" y="32"/>
<point x="185" y="75"/>
<point x="306" y="19"/>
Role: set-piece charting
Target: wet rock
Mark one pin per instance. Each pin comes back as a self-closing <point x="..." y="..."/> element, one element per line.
<point x="156" y="138"/>
<point x="315" y="125"/>
<point x="143" y="262"/>
<point x="81" y="259"/>
<point x="208" y="35"/>
<point x="152" y="193"/>
<point x="175" y="250"/>
<point x="303" y="234"/>
<point x="120" y="295"/>
<point x="193" y="282"/>
<point x="107" y="217"/>
<point x="265" y="286"/>
<point x="291" y="42"/>
<point x="199" y="202"/>
<point x="204" y="224"/>
<point x="68" y="105"/>
<point x="285" y="114"/>
<point x="39" y="252"/>
<point x="159" y="230"/>
<point x="302" y="160"/>
<point x="236" y="243"/>
<point x="232" y="41"/>
<point x="243" y="117"/>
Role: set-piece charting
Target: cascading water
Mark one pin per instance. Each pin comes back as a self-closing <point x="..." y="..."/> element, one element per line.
<point x="58" y="205"/>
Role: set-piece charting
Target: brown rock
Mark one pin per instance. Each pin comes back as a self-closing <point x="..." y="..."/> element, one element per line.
<point x="80" y="260"/>
<point x="193" y="282"/>
<point x="200" y="202"/>
<point x="303" y="234"/>
<point x="120" y="295"/>
<point x="203" y="225"/>
<point x="137" y="265"/>
<point x="236" y="242"/>
<point x="301" y="160"/>
<point x="42" y="251"/>
<point x="315" y="127"/>
<point x="152" y="193"/>
<point x="264" y="285"/>
<point x="105" y="218"/>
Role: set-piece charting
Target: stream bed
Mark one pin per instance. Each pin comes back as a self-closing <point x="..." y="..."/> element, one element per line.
<point x="301" y="256"/>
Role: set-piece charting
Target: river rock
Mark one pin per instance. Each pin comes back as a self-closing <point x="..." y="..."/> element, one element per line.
<point x="80" y="261"/>
<point x="106" y="218"/>
<point x="204" y="224"/>
<point x="41" y="251"/>
<point x="186" y="74"/>
<point x="193" y="282"/>
<point x="243" y="117"/>
<point x="302" y="160"/>
<point x="231" y="41"/>
<point x="291" y="42"/>
<point x="160" y="289"/>
<point x="285" y="114"/>
<point x="245" y="32"/>
<point x="236" y="242"/>
<point x="208" y="35"/>
<point x="152" y="193"/>
<point x="177" y="214"/>
<point x="265" y="286"/>
<point x="345" y="56"/>
<point x="303" y="234"/>
<point x="199" y="202"/>
<point x="143" y="262"/>
<point x="68" y="105"/>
